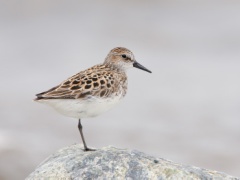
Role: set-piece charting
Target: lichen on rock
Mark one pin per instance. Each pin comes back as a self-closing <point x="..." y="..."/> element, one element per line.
<point x="114" y="163"/>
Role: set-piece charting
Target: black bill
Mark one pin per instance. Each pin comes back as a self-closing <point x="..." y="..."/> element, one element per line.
<point x="139" y="66"/>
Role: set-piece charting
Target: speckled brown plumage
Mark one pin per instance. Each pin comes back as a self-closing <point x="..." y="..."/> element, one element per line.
<point x="99" y="81"/>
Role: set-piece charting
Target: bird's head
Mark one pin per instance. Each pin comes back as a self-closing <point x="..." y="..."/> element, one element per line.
<point x="123" y="59"/>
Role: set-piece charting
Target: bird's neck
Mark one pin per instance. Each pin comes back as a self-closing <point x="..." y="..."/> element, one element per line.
<point x="114" y="66"/>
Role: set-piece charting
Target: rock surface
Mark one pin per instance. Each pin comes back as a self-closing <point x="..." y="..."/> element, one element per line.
<point x="114" y="163"/>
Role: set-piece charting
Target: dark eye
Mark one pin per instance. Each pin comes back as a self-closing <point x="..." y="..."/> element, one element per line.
<point x="124" y="56"/>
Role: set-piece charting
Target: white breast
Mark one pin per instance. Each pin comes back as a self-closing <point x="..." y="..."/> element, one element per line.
<point x="78" y="108"/>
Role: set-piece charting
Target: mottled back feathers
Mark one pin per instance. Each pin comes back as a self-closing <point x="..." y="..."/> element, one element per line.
<point x="99" y="81"/>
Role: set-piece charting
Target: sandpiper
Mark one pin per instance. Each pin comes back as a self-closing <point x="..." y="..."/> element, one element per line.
<point x="94" y="90"/>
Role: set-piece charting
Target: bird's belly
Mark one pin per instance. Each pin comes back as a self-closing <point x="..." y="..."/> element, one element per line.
<point x="77" y="108"/>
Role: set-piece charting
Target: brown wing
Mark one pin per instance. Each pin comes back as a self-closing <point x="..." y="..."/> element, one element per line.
<point x="98" y="81"/>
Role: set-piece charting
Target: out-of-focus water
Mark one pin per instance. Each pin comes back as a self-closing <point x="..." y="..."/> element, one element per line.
<point x="187" y="111"/>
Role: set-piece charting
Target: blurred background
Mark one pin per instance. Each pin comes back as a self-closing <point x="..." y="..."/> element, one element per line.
<point x="187" y="110"/>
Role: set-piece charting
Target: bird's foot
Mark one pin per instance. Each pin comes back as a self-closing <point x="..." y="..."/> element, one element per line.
<point x="89" y="149"/>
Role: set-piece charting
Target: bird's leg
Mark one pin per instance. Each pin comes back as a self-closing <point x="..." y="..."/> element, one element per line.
<point x="81" y="133"/>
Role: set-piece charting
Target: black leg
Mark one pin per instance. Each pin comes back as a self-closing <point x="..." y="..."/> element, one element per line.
<point x="81" y="133"/>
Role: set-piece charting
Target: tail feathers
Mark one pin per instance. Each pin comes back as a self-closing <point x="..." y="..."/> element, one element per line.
<point x="40" y="96"/>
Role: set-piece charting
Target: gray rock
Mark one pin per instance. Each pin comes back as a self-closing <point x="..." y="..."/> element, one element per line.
<point x="114" y="163"/>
